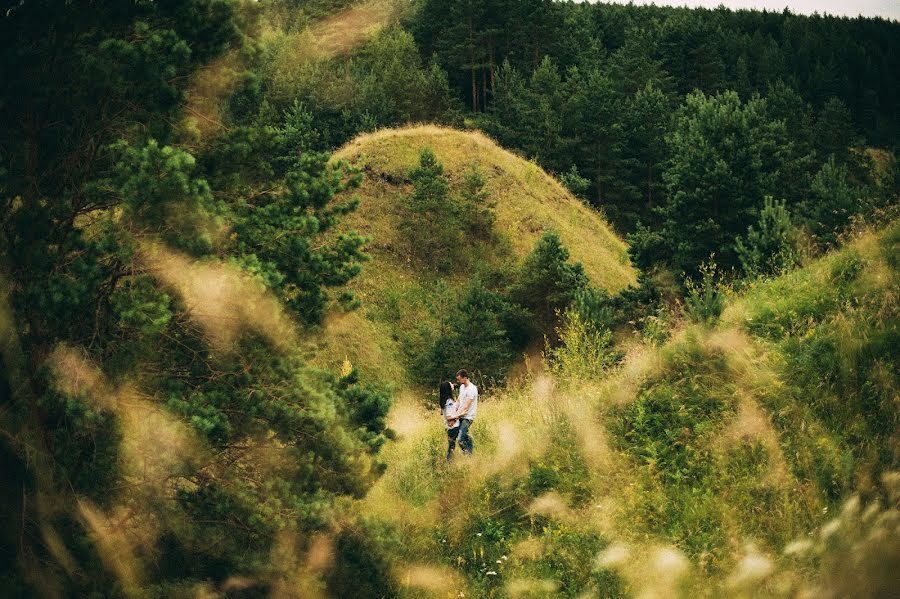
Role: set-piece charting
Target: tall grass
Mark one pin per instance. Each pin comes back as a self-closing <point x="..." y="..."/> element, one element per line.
<point x="721" y="463"/>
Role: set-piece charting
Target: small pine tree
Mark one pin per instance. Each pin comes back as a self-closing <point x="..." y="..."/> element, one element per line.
<point x="575" y="183"/>
<point x="770" y="246"/>
<point x="476" y="204"/>
<point x="433" y="227"/>
<point x="548" y="282"/>
<point x="834" y="200"/>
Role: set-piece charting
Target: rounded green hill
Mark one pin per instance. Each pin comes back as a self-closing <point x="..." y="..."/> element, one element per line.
<point x="527" y="202"/>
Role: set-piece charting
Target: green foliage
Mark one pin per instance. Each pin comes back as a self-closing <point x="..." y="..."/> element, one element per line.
<point x="834" y="131"/>
<point x="84" y="442"/>
<point x="560" y="469"/>
<point x="705" y="298"/>
<point x="548" y="282"/>
<point x="667" y="430"/>
<point x="359" y="568"/>
<point x="434" y="228"/>
<point x="392" y="85"/>
<point x="384" y="82"/>
<point x="277" y="236"/>
<point x="666" y="425"/>
<point x="726" y="157"/>
<point x="583" y="350"/>
<point x="770" y="248"/>
<point x="482" y="333"/>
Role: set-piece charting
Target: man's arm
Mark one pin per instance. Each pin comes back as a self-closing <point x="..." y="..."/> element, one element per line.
<point x="464" y="407"/>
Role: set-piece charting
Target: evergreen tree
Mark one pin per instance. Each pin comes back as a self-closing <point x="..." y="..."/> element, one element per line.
<point x="592" y="112"/>
<point x="768" y="247"/>
<point x="646" y="120"/>
<point x="548" y="282"/>
<point x="433" y="227"/>
<point x="483" y="330"/>
<point x="726" y="157"/>
<point x="476" y="204"/>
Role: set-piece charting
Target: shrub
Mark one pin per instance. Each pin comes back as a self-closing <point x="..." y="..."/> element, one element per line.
<point x="770" y="247"/>
<point x="584" y="350"/>
<point x="705" y="299"/>
<point x="548" y="282"/>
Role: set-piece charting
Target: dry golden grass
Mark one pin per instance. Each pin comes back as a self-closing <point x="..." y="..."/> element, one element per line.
<point x="529" y="201"/>
<point x="340" y="33"/>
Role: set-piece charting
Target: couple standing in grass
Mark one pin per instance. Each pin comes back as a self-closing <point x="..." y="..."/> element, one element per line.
<point x="459" y="412"/>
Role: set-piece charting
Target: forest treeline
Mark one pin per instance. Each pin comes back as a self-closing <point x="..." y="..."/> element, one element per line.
<point x="636" y="106"/>
<point x="632" y="107"/>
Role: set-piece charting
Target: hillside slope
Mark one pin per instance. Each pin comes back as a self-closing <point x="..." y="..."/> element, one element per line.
<point x="528" y="202"/>
<point x="746" y="459"/>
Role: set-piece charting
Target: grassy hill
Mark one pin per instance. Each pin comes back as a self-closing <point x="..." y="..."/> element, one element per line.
<point x="753" y="458"/>
<point x="395" y="291"/>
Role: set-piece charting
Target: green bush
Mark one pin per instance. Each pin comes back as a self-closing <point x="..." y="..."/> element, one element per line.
<point x="705" y="299"/>
<point x="562" y="468"/>
<point x="770" y="247"/>
<point x="548" y="282"/>
<point x="583" y="350"/>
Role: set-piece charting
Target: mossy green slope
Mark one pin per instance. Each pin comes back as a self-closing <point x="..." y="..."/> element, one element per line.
<point x="394" y="289"/>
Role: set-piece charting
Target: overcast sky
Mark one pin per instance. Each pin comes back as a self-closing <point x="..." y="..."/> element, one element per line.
<point x="870" y="8"/>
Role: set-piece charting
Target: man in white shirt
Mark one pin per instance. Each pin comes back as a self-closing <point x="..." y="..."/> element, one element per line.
<point x="467" y="406"/>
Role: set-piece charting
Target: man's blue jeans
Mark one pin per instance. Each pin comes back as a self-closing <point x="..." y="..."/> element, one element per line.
<point x="464" y="438"/>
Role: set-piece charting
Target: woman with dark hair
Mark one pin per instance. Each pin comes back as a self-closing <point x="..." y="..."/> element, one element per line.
<point x="448" y="406"/>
